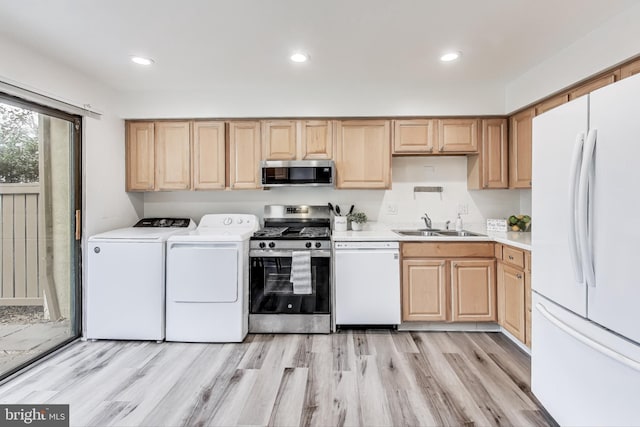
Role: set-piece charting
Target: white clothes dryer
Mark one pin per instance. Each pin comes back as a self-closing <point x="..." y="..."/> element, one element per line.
<point x="208" y="280"/>
<point x="126" y="280"/>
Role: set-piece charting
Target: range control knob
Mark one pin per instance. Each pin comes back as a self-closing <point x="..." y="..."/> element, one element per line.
<point x="228" y="220"/>
<point x="262" y="245"/>
<point x="272" y="245"/>
<point x="239" y="221"/>
<point x="318" y="244"/>
<point x="308" y="244"/>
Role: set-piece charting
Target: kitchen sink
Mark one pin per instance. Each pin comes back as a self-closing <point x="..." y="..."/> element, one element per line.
<point x="437" y="233"/>
<point x="462" y="233"/>
<point x="423" y="233"/>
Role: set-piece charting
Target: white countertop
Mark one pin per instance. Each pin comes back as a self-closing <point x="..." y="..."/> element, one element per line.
<point x="375" y="231"/>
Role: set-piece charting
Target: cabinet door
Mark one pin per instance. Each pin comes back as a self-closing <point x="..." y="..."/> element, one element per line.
<point x="594" y="84"/>
<point x="473" y="291"/>
<point x="520" y="149"/>
<point x="140" y="156"/>
<point x="363" y="154"/>
<point x="208" y="156"/>
<point x="244" y="155"/>
<point x="279" y="139"/>
<point x="552" y="103"/>
<point x="494" y="154"/>
<point x="630" y="69"/>
<point x="173" y="155"/>
<point x="511" y="300"/>
<point x="316" y="140"/>
<point x="458" y="136"/>
<point x="424" y="290"/>
<point x="413" y="136"/>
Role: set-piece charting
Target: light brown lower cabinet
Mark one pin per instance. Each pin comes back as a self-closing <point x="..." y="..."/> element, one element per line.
<point x="424" y="290"/>
<point x="473" y="291"/>
<point x="447" y="288"/>
<point x="514" y="291"/>
<point x="511" y="300"/>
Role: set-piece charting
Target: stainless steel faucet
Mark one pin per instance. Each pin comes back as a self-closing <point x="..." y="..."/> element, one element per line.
<point x="427" y="220"/>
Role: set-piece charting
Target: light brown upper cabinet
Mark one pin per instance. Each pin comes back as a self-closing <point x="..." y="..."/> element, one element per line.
<point x="297" y="140"/>
<point x="489" y="169"/>
<point x="244" y="155"/>
<point x="140" y="156"/>
<point x="316" y="139"/>
<point x="208" y="155"/>
<point x="553" y="102"/>
<point x="630" y="69"/>
<point x="458" y="135"/>
<point x="173" y="155"/>
<point x="363" y="154"/>
<point x="279" y="139"/>
<point x="594" y="84"/>
<point x="415" y="136"/>
<point x="520" y="149"/>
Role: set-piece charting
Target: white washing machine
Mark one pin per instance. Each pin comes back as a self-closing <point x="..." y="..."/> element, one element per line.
<point x="208" y="280"/>
<point x="126" y="280"/>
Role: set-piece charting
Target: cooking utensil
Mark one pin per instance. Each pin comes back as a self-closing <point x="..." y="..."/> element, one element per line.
<point x="351" y="210"/>
<point x="331" y="207"/>
<point x="338" y="210"/>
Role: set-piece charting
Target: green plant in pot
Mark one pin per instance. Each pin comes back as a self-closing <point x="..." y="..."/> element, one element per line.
<point x="357" y="220"/>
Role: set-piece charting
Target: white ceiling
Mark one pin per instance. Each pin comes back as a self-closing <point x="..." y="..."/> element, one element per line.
<point x="205" y="44"/>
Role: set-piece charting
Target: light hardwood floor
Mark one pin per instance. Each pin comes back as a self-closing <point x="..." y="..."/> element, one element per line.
<point x="366" y="378"/>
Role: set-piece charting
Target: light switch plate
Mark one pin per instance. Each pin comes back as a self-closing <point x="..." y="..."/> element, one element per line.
<point x="392" y="209"/>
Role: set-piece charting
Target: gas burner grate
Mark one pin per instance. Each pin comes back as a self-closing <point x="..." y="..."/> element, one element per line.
<point x="314" y="232"/>
<point x="271" y="232"/>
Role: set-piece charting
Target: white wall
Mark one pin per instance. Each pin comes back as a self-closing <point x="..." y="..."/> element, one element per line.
<point x="611" y="43"/>
<point x="106" y="205"/>
<point x="431" y="98"/>
<point x="448" y="172"/>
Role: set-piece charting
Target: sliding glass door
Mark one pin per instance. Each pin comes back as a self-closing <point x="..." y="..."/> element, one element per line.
<point x="39" y="251"/>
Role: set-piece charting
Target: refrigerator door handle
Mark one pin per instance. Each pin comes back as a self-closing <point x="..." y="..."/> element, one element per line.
<point x="574" y="178"/>
<point x="584" y="235"/>
<point x="588" y="341"/>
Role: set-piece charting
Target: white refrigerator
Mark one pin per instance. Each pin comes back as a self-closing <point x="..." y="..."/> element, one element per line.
<point x="586" y="258"/>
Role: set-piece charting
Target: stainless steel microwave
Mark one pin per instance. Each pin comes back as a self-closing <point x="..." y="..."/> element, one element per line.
<point x="297" y="173"/>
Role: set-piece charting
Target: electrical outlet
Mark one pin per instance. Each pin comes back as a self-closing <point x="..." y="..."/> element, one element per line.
<point x="463" y="209"/>
<point x="392" y="209"/>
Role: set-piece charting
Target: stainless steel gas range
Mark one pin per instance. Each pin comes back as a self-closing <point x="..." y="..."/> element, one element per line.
<point x="290" y="271"/>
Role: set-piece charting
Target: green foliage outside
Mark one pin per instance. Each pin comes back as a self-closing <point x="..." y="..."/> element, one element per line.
<point x="18" y="145"/>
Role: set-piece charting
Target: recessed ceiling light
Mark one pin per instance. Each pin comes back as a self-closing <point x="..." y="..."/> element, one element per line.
<point x="141" y="60"/>
<point x="450" y="56"/>
<point x="299" y="57"/>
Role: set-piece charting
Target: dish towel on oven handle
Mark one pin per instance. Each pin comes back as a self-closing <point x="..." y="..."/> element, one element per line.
<point x="301" y="272"/>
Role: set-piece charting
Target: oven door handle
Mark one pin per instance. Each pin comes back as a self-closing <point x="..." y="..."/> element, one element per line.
<point x="259" y="253"/>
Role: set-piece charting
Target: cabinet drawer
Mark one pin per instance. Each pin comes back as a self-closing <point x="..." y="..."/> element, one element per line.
<point x="447" y="250"/>
<point x="513" y="256"/>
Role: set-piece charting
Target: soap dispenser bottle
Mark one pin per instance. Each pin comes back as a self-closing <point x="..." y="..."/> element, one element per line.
<point x="459" y="223"/>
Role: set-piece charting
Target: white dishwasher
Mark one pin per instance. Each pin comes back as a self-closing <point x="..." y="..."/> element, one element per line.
<point x="367" y="283"/>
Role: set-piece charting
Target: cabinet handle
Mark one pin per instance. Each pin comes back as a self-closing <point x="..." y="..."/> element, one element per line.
<point x="519" y="276"/>
<point x="486" y="185"/>
<point x="430" y="150"/>
<point x="440" y="149"/>
<point x="510" y="257"/>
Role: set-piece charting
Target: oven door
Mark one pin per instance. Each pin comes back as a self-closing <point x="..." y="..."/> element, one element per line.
<point x="271" y="290"/>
